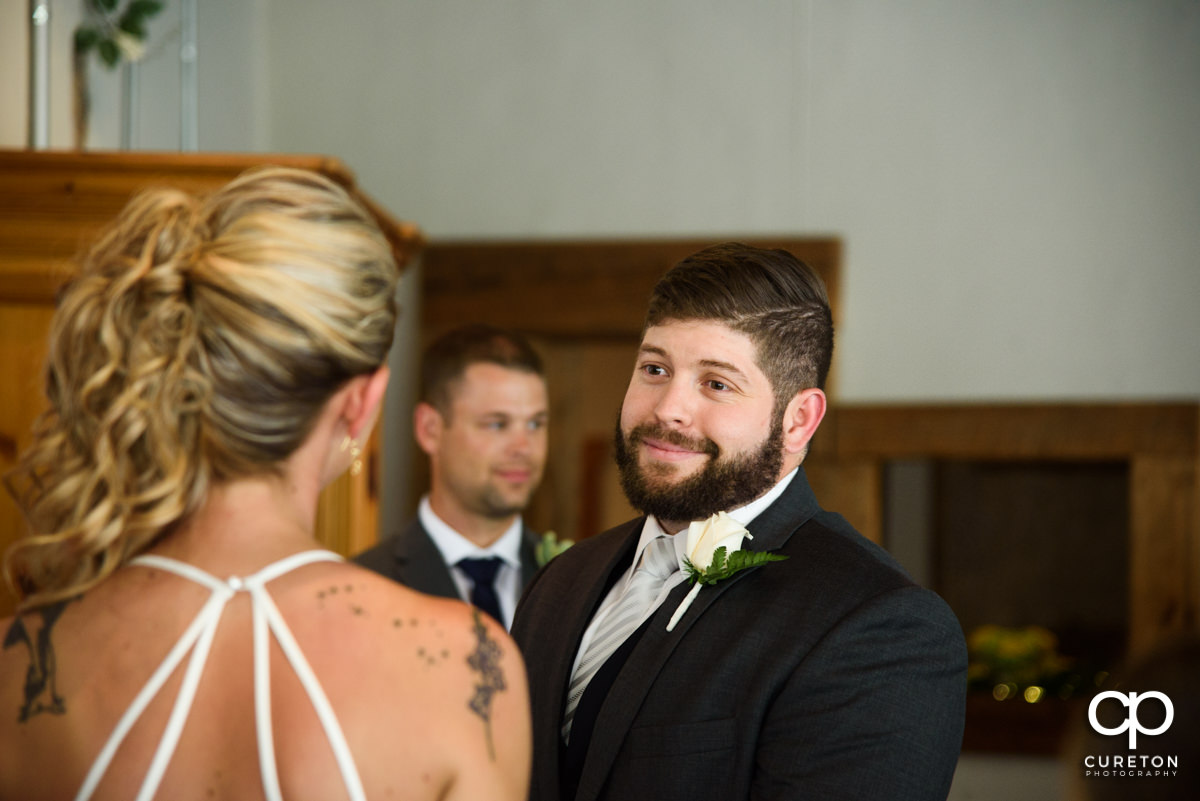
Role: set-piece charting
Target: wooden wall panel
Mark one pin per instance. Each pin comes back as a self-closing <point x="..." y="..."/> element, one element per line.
<point x="582" y="289"/>
<point x="853" y="488"/>
<point x="22" y="351"/>
<point x="1164" y="549"/>
<point x="1159" y="441"/>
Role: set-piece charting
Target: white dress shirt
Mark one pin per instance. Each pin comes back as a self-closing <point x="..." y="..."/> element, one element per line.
<point x="455" y="547"/>
<point x="651" y="530"/>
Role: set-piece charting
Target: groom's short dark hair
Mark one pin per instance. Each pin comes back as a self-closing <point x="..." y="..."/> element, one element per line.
<point x="772" y="297"/>
<point x="449" y="356"/>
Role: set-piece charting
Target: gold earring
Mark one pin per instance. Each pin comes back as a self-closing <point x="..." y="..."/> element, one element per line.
<point x="356" y="466"/>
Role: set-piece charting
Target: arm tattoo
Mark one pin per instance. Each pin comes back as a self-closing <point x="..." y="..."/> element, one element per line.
<point x="485" y="661"/>
<point x="41" y="688"/>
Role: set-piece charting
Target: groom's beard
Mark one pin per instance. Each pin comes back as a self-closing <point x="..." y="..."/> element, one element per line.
<point x="723" y="483"/>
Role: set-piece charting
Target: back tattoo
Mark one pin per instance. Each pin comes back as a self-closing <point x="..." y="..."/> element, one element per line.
<point x="41" y="686"/>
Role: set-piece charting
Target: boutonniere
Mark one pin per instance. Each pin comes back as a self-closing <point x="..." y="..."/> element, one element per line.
<point x="714" y="553"/>
<point x="550" y="547"/>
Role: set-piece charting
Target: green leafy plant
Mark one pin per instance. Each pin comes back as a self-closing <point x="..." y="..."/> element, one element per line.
<point x="725" y="565"/>
<point x="549" y="547"/>
<point x="115" y="32"/>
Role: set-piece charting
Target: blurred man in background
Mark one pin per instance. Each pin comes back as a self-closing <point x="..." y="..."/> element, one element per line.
<point x="481" y="419"/>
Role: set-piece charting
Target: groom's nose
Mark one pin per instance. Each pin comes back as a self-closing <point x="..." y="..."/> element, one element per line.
<point x="675" y="404"/>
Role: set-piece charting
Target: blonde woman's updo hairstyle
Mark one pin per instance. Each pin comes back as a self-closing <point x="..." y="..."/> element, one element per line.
<point x="198" y="343"/>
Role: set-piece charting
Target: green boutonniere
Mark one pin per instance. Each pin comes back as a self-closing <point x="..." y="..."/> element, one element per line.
<point x="550" y="547"/>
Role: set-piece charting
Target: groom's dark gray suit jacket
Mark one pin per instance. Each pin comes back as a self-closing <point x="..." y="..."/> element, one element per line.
<point x="410" y="557"/>
<point x="830" y="675"/>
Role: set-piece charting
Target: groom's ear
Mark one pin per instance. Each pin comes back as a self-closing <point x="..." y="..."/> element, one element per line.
<point x="800" y="420"/>
<point x="427" y="427"/>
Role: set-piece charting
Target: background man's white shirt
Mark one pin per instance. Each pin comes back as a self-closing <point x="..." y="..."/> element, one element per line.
<point x="455" y="547"/>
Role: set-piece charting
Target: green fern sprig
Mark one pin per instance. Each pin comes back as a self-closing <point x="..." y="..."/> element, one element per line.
<point x="725" y="564"/>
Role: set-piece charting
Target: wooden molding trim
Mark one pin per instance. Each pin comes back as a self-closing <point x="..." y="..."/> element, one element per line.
<point x="53" y="203"/>
<point x="577" y="289"/>
<point x="1045" y="431"/>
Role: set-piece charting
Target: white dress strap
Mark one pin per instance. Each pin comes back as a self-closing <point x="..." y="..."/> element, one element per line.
<point x="198" y="638"/>
<point x="202" y="624"/>
<point x="266" y="617"/>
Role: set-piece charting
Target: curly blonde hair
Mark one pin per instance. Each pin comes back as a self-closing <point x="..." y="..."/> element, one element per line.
<point x="197" y="345"/>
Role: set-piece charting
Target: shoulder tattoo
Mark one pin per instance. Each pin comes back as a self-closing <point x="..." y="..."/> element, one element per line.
<point x="485" y="660"/>
<point x="41" y="685"/>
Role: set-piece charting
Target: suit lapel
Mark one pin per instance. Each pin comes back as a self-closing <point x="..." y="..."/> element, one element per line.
<point x="639" y="673"/>
<point x="771" y="529"/>
<point x="553" y="657"/>
<point x="419" y="563"/>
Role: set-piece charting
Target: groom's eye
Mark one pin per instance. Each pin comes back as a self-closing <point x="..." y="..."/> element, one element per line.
<point x="719" y="386"/>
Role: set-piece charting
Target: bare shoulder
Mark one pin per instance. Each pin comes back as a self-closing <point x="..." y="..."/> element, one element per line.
<point x="429" y="677"/>
<point x="368" y="615"/>
<point x="444" y="647"/>
<point x="489" y="704"/>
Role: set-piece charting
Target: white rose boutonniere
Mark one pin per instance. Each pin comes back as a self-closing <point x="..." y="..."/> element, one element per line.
<point x="714" y="552"/>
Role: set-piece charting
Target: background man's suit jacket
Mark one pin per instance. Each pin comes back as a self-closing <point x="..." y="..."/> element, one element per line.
<point x="410" y="557"/>
<point x="828" y="675"/>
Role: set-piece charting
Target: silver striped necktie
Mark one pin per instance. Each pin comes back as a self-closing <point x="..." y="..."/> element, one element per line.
<point x="658" y="563"/>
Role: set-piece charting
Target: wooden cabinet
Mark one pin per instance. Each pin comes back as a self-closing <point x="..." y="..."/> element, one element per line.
<point x="52" y="204"/>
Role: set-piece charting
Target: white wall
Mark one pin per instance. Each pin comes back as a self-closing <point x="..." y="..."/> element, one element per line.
<point x="1017" y="183"/>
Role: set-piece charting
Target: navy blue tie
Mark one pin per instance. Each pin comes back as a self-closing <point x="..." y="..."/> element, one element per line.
<point x="482" y="572"/>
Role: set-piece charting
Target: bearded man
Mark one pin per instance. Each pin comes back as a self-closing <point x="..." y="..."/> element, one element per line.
<point x="805" y="663"/>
